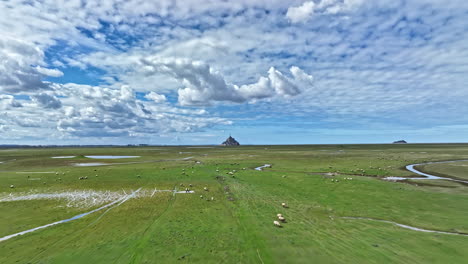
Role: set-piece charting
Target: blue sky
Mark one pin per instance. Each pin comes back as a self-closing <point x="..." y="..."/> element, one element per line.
<point x="268" y="72"/>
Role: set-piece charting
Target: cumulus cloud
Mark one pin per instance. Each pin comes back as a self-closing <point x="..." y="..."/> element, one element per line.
<point x="302" y="12"/>
<point x="158" y="98"/>
<point x="305" y="11"/>
<point x="16" y="72"/>
<point x="204" y="85"/>
<point x="399" y="60"/>
<point x="47" y="101"/>
<point x="8" y="101"/>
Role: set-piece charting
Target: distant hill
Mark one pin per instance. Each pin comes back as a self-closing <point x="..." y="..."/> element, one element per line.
<point x="230" y="141"/>
<point x="400" y="142"/>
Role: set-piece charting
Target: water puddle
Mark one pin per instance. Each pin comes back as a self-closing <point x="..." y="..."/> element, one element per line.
<point x="264" y="166"/>
<point x="27" y="172"/>
<point x="90" y="164"/>
<point x="111" y="157"/>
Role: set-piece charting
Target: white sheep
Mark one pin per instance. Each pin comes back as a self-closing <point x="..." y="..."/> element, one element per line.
<point x="276" y="223"/>
<point x="284" y="205"/>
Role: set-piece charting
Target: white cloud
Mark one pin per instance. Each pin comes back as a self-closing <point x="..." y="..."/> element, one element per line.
<point x="304" y="12"/>
<point x="386" y="60"/>
<point x="204" y="85"/>
<point x="158" y="98"/>
<point x="301" y="13"/>
<point x="47" y="101"/>
<point x="16" y="73"/>
<point x="8" y="101"/>
<point x="49" y="72"/>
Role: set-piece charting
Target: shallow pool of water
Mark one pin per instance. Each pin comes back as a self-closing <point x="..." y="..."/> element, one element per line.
<point x="111" y="157"/>
<point x="90" y="164"/>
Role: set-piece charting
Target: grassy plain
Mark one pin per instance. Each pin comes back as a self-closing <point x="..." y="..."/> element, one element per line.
<point x="237" y="226"/>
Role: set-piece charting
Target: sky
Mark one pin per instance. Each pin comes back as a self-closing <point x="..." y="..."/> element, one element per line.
<point x="264" y="71"/>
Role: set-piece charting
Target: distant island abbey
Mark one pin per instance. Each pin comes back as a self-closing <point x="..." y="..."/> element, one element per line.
<point x="230" y="141"/>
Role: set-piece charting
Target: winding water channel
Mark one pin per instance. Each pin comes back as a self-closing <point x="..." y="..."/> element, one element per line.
<point x="427" y="176"/>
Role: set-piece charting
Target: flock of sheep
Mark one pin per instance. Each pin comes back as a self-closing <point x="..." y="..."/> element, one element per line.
<point x="187" y="190"/>
<point x="280" y="217"/>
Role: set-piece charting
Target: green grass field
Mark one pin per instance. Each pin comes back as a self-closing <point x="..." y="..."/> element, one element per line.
<point x="233" y="222"/>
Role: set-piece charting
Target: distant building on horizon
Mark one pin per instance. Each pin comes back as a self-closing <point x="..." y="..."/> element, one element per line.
<point x="230" y="141"/>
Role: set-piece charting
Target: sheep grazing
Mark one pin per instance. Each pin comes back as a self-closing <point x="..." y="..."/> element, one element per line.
<point x="284" y="205"/>
<point x="276" y="223"/>
<point x="282" y="219"/>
